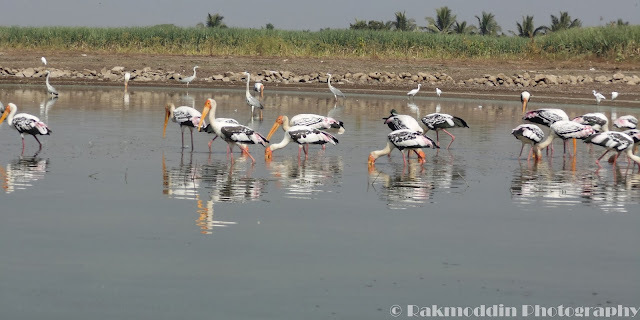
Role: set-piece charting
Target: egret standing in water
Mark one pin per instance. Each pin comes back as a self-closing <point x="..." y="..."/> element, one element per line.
<point x="188" y="80"/>
<point x="438" y="92"/>
<point x="412" y="93"/>
<point x="127" y="76"/>
<point x="599" y="96"/>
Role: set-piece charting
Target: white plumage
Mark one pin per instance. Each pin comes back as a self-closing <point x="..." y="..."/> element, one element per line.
<point x="438" y="92"/>
<point x="188" y="80"/>
<point x="545" y="117"/>
<point x="614" y="95"/>
<point x="597" y="120"/>
<point x="303" y="136"/>
<point x="402" y="121"/>
<point x="185" y="117"/>
<point x="564" y="130"/>
<point x="413" y="92"/>
<point x="613" y="141"/>
<point x="210" y="107"/>
<point x="524" y="98"/>
<point x="44" y="60"/>
<point x="442" y="121"/>
<point x="259" y="87"/>
<point x="599" y="96"/>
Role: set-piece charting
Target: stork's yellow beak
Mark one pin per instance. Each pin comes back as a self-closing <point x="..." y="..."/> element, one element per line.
<point x="273" y="130"/>
<point x="5" y="113"/>
<point x="524" y="105"/>
<point x="205" y="111"/>
<point x="166" y="121"/>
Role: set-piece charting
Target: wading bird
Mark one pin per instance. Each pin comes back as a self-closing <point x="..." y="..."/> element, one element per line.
<point x="614" y="95"/>
<point x="613" y="141"/>
<point x="314" y="121"/>
<point x="188" y="80"/>
<point x="412" y="93"/>
<point x="210" y="109"/>
<point x="127" y="76"/>
<point x="50" y="89"/>
<point x="259" y="87"/>
<point x="24" y="123"/>
<point x="597" y="120"/>
<point x="185" y="117"/>
<point x="626" y="122"/>
<point x="44" y="60"/>
<point x="443" y="121"/>
<point x="302" y="135"/>
<point x="404" y="139"/>
<point x="438" y="92"/>
<point x="333" y="89"/>
<point x="402" y="121"/>
<point x="599" y="96"/>
<point x="524" y="98"/>
<point x="236" y="134"/>
<point x="528" y="134"/>
<point x="251" y="100"/>
<point x="564" y="130"/>
<point x="545" y="117"/>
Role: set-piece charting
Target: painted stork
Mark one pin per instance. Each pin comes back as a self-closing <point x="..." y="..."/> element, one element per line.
<point x="412" y="93"/>
<point x="210" y="109"/>
<point x="402" y="121"/>
<point x="333" y="89"/>
<point x="599" y="96"/>
<point x="598" y="121"/>
<point x="188" y="80"/>
<point x="259" y="87"/>
<point x="237" y="134"/>
<point x="251" y="100"/>
<point x="545" y="117"/>
<point x="626" y="122"/>
<point x="528" y="134"/>
<point x="443" y="121"/>
<point x="564" y="130"/>
<point x="635" y="135"/>
<point x="24" y="123"/>
<point x="613" y="141"/>
<point x="185" y="116"/>
<point x="524" y="98"/>
<point x="302" y="135"/>
<point x="314" y="121"/>
<point x="50" y="89"/>
<point x="404" y="139"/>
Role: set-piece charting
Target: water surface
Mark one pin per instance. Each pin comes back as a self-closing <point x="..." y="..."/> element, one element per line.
<point x="110" y="219"/>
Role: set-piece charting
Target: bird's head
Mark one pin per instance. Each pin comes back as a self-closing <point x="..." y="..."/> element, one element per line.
<point x="5" y="112"/>
<point x="372" y="160"/>
<point x="268" y="154"/>
<point x="422" y="158"/>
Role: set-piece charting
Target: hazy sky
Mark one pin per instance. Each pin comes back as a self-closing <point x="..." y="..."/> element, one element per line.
<point x="300" y="14"/>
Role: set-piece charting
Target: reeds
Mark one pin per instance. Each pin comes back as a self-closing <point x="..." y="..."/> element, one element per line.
<point x="614" y="43"/>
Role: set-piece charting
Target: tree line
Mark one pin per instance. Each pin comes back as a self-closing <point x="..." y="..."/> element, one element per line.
<point x="446" y="22"/>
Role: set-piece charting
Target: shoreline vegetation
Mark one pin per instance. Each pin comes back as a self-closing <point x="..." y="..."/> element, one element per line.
<point x="610" y="43"/>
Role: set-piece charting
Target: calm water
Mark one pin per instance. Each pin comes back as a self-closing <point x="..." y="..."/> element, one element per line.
<point x="110" y="221"/>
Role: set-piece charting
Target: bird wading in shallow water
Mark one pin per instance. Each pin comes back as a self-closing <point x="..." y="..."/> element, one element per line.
<point x="336" y="93"/>
<point x="599" y="96"/>
<point x="412" y="93"/>
<point x="251" y="100"/>
<point x="404" y="139"/>
<point x="24" y="123"/>
<point x="50" y="89"/>
<point x="188" y="80"/>
<point x="524" y="98"/>
<point x="185" y="116"/>
<point x="528" y="134"/>
<point x="613" y="141"/>
<point x="443" y="121"/>
<point x="259" y="87"/>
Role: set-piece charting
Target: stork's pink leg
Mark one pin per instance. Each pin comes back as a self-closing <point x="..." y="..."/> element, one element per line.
<point x="247" y="151"/>
<point x="306" y="151"/>
<point x="453" y="138"/>
<point x="437" y="138"/>
<point x="23" y="144"/>
<point x="404" y="159"/>
<point x="210" y="142"/>
<point x="598" y="160"/>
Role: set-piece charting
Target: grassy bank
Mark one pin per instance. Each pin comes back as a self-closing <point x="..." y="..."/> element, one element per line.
<point x="608" y="43"/>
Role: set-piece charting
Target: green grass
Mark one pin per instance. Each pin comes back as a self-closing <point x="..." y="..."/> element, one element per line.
<point x="609" y="43"/>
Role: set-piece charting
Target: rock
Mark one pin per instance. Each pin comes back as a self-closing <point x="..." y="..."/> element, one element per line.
<point x="217" y="77"/>
<point x="226" y="79"/>
<point x="618" y="76"/>
<point x="117" y="70"/>
<point x="28" y="72"/>
<point x="551" y="79"/>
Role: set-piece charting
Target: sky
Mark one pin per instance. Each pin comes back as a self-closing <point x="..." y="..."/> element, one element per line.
<point x="300" y="14"/>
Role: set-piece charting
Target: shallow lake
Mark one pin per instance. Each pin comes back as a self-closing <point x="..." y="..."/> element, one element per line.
<point x="111" y="221"/>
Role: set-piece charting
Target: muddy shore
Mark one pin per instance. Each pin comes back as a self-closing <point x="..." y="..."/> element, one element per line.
<point x="563" y="82"/>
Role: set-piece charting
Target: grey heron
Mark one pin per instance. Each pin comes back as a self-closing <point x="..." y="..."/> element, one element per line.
<point x="50" y="89"/>
<point x="251" y="100"/>
<point x="333" y="89"/>
<point x="188" y="80"/>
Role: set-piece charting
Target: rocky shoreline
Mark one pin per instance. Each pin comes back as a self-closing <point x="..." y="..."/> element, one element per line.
<point x="145" y="75"/>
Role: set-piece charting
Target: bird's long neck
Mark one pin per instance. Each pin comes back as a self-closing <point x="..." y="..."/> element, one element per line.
<point x="194" y="72"/>
<point x="285" y="123"/>
<point x="329" y="81"/>
<point x="47" y="78"/>
<point x="212" y="114"/>
<point x="632" y="156"/>
<point x="285" y="141"/>
<point x="544" y="144"/>
<point x="387" y="149"/>
<point x="248" y="76"/>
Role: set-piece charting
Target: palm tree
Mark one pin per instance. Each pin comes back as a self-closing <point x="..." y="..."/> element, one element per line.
<point x="402" y="23"/>
<point x="563" y="22"/>
<point x="487" y="25"/>
<point x="462" y="28"/>
<point x="619" y="23"/>
<point x="215" y="21"/>
<point x="443" y="23"/>
<point x="526" y="29"/>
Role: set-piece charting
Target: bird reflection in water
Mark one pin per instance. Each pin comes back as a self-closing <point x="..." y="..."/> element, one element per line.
<point x="307" y="178"/>
<point x="21" y="173"/>
<point x="402" y="189"/>
<point x="46" y="106"/>
<point x="539" y="186"/>
<point x="219" y="181"/>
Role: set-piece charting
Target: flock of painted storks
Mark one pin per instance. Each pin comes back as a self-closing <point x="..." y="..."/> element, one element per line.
<point x="407" y="133"/>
